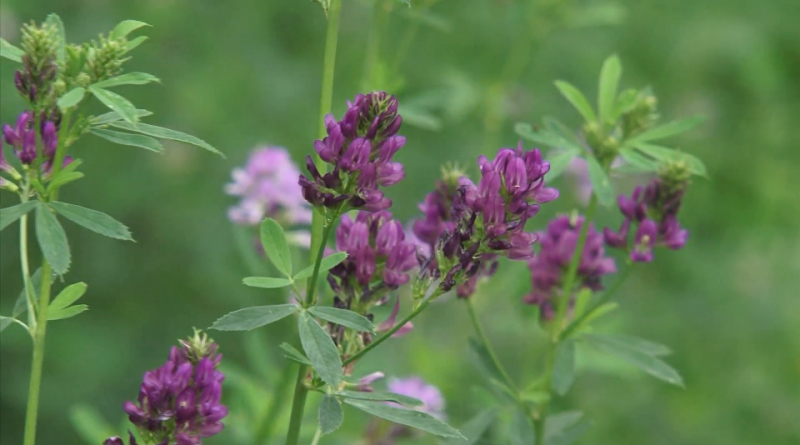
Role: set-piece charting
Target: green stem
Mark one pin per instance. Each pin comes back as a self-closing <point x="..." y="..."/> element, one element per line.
<point x="26" y="274"/>
<point x="312" y="283"/>
<point x="38" y="358"/>
<point x="558" y="321"/>
<point x="486" y="344"/>
<point x="271" y="414"/>
<point x="317" y="436"/>
<point x="61" y="151"/>
<point x="388" y="333"/>
<point x="603" y="299"/>
<point x="317" y="222"/>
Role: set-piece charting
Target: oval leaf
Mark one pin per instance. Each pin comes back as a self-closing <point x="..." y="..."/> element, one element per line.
<point x="521" y="431"/>
<point x="414" y="419"/>
<point x="10" y="51"/>
<point x="630" y="342"/>
<point x="327" y="263"/>
<point x="331" y="414"/>
<point x="127" y="79"/>
<point x="670" y="129"/>
<point x="343" y="317"/>
<point x="609" y="83"/>
<point x="66" y="297"/>
<point x="381" y="397"/>
<point x="564" y="367"/>
<point x="52" y="239"/>
<point x="293" y="354"/>
<point x="126" y="27"/>
<point x="134" y="140"/>
<point x="72" y="98"/>
<point x="93" y="220"/>
<point x="117" y="103"/>
<point x="112" y="116"/>
<point x="320" y="349"/>
<point x="665" y="154"/>
<point x="166" y="133"/>
<point x="577" y="99"/>
<point x="601" y="184"/>
<point x="253" y="317"/>
<point x="267" y="282"/>
<point x="68" y="312"/>
<point x="275" y="246"/>
<point x="10" y="214"/>
<point x="545" y="137"/>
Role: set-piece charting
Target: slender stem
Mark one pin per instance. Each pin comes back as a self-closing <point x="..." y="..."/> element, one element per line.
<point x="557" y="323"/>
<point x="603" y="299"/>
<point x="38" y="358"/>
<point x="486" y="344"/>
<point x="26" y="274"/>
<point x="61" y="151"/>
<point x="317" y="436"/>
<point x="267" y="422"/>
<point x="388" y="333"/>
<point x="312" y="283"/>
<point x="317" y="222"/>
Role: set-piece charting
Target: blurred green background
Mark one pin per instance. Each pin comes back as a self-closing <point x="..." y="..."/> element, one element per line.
<point x="241" y="73"/>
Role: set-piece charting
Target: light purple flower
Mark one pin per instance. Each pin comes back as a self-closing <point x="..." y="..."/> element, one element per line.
<point x="432" y="400"/>
<point x="391" y="322"/>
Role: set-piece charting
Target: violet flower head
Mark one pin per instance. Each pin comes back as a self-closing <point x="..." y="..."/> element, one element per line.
<point x="267" y="186"/>
<point x="653" y="210"/>
<point x="360" y="149"/>
<point x="181" y="399"/>
<point x="549" y="266"/>
<point x="22" y="136"/>
<point x="432" y="400"/>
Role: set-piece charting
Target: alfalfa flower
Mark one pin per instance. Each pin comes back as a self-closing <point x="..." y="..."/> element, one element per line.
<point x="360" y="149"/>
<point x="180" y="401"/>
<point x="549" y="266"/>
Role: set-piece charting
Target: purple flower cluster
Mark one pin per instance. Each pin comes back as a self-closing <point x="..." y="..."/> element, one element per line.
<point x="180" y="401"/>
<point x="548" y="267"/>
<point x="485" y="220"/>
<point x="654" y="211"/>
<point x="267" y="186"/>
<point x="360" y="148"/>
<point x="34" y="81"/>
<point x="22" y="136"/>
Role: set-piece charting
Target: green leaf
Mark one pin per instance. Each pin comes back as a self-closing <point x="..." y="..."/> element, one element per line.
<point x="381" y="397"/>
<point x="117" y="103"/>
<point x="52" y="239"/>
<point x="5" y="322"/>
<point x="414" y="419"/>
<point x="21" y="305"/>
<point x="564" y="367"/>
<point x="66" y="297"/>
<point x="555" y="126"/>
<point x="577" y="99"/>
<point x="326" y="264"/>
<point x="113" y="116"/>
<point x="10" y="51"/>
<point x="565" y="428"/>
<point x="93" y="220"/>
<point x="127" y="79"/>
<point x="595" y="314"/>
<point x="267" y="282"/>
<point x="254" y="317"/>
<point x="633" y="343"/>
<point x="665" y="154"/>
<point x="484" y="359"/>
<point x="526" y="131"/>
<point x="343" y="317"/>
<point x="68" y="312"/>
<point x="10" y="214"/>
<point x="559" y="163"/>
<point x="667" y="130"/>
<point x="633" y="355"/>
<point x="601" y="183"/>
<point x="63" y="179"/>
<point x="134" y="140"/>
<point x="275" y="246"/>
<point x="125" y="27"/>
<point x="331" y="414"/>
<point x="132" y="44"/>
<point x="320" y="349"/>
<point x="625" y="103"/>
<point x="637" y="161"/>
<point x="72" y="98"/>
<point x="293" y="354"/>
<point x="61" y="36"/>
<point x="607" y="92"/>
<point x="166" y="133"/>
<point x="475" y="428"/>
<point x="521" y="431"/>
<point x="90" y="424"/>
<point x="536" y="397"/>
<point x="582" y="302"/>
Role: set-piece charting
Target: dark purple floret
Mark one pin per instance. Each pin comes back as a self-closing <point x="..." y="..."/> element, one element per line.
<point x="549" y="266"/>
<point x="181" y="399"/>
<point x="22" y="136"/>
<point x="360" y="149"/>
<point x="653" y="211"/>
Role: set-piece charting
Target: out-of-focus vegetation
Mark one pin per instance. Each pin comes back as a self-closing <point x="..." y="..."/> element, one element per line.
<point x="242" y="73"/>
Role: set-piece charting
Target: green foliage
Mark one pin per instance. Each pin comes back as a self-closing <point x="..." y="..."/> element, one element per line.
<point x="342" y="317"/>
<point x="521" y="431"/>
<point x="293" y="354"/>
<point x="126" y="27"/>
<point x="577" y="99"/>
<point x="320" y="349"/>
<point x="475" y="428"/>
<point x="254" y="317"/>
<point x="69" y="295"/>
<point x="601" y="184"/>
<point x="267" y="282"/>
<point x="127" y="79"/>
<point x="52" y="239"/>
<point x="10" y="214"/>
<point x="134" y="140"/>
<point x="607" y="92"/>
<point x="643" y="356"/>
<point x="10" y="51"/>
<point x="414" y="419"/>
<point x="331" y="414"/>
<point x="379" y="396"/>
<point x="326" y="264"/>
<point x="123" y="107"/>
<point x="275" y="246"/>
<point x="93" y="220"/>
<point x="165" y="133"/>
<point x="71" y="98"/>
<point x="564" y="368"/>
<point x="565" y="428"/>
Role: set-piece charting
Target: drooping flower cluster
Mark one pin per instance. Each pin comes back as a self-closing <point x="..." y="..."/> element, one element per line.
<point x="360" y="149"/>
<point x="485" y="220"/>
<point x="180" y="401"/>
<point x="549" y="266"/>
<point x="268" y="187"/>
<point x="653" y="210"/>
<point x="22" y="137"/>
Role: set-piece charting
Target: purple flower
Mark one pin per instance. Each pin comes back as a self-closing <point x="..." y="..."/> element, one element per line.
<point x="22" y="136"/>
<point x="181" y="399"/>
<point x="432" y="400"/>
<point x="365" y="383"/>
<point x="360" y="148"/>
<point x="653" y="210"/>
<point x="548" y="267"/>
<point x="268" y="187"/>
<point x="391" y="322"/>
